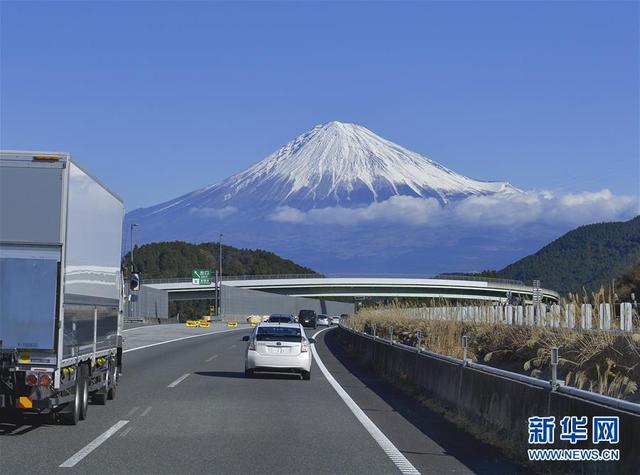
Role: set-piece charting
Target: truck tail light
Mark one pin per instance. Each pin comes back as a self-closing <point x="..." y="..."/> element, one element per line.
<point x="31" y="379"/>
<point x="45" y="379"/>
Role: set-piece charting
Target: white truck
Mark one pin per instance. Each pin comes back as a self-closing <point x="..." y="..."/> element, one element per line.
<point x="61" y="286"/>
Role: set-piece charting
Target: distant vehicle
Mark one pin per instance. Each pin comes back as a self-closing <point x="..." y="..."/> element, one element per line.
<point x="335" y="320"/>
<point x="281" y="318"/>
<point x="61" y="286"/>
<point x="278" y="347"/>
<point x="323" y="320"/>
<point x="307" y="318"/>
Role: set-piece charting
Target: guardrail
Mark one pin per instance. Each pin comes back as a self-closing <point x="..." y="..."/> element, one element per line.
<point x="581" y="393"/>
<point x="497" y="405"/>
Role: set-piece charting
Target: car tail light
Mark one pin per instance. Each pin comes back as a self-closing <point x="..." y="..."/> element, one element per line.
<point x="305" y="346"/>
<point x="252" y="344"/>
<point x="45" y="379"/>
<point x="31" y="379"/>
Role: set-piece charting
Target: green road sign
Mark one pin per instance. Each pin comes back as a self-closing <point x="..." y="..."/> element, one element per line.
<point x="201" y="277"/>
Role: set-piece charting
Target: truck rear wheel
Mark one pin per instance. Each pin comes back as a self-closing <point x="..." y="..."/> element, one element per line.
<point x="84" y="392"/>
<point x="70" y="415"/>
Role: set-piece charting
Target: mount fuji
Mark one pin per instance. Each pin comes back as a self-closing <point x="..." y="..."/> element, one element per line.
<point x="331" y="167"/>
<point x="334" y="164"/>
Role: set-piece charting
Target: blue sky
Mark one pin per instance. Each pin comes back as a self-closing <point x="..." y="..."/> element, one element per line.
<point x="158" y="99"/>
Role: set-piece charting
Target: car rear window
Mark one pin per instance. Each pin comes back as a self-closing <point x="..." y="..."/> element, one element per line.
<point x="280" y="319"/>
<point x="279" y="334"/>
<point x="307" y="313"/>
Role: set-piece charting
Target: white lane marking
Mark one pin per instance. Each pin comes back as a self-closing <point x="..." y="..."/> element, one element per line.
<point x="387" y="446"/>
<point x="182" y="338"/>
<point x="179" y="380"/>
<point x="126" y="431"/>
<point x="93" y="445"/>
<point x="209" y="360"/>
<point x="132" y="411"/>
<point x="145" y="412"/>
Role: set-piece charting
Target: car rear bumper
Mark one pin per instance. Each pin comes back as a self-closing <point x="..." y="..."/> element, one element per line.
<point x="256" y="361"/>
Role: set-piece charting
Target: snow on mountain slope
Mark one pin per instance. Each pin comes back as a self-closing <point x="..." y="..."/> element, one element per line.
<point x="334" y="164"/>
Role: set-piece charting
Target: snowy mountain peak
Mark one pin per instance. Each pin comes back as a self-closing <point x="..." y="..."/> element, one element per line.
<point x="333" y="161"/>
<point x="334" y="164"/>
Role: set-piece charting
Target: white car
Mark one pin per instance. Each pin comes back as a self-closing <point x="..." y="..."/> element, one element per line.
<point x="278" y="347"/>
<point x="335" y="320"/>
<point x="322" y="320"/>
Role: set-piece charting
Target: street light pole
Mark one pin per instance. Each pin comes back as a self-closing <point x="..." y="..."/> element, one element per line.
<point x="220" y="277"/>
<point x="133" y="225"/>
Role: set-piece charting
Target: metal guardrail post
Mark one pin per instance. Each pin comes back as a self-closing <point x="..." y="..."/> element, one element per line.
<point x="419" y="338"/>
<point x="554" y="369"/>
<point x="390" y="330"/>
<point x="465" y="346"/>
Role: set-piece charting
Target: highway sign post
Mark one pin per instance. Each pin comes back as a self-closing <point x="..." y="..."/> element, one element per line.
<point x="201" y="277"/>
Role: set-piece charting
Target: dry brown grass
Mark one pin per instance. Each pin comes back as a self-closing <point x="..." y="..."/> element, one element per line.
<point x="603" y="362"/>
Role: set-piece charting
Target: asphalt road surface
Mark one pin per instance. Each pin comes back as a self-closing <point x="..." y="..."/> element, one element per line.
<point x="185" y="407"/>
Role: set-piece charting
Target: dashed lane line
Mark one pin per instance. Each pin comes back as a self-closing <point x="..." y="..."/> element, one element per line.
<point x="93" y="445"/>
<point x="179" y="380"/>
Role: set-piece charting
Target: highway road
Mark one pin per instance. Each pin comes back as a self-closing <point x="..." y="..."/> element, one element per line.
<point x="186" y="407"/>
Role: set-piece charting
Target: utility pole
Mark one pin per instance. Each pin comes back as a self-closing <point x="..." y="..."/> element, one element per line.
<point x="217" y="295"/>
<point x="220" y="277"/>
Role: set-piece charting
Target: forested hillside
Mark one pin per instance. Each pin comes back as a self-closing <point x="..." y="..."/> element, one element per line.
<point x="629" y="283"/>
<point x="587" y="257"/>
<point x="178" y="259"/>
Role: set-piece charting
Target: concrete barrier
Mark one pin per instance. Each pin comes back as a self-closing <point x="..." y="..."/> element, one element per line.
<point x="496" y="404"/>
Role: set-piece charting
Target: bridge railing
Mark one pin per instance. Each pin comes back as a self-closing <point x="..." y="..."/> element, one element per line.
<point x="176" y="280"/>
<point x="511" y="282"/>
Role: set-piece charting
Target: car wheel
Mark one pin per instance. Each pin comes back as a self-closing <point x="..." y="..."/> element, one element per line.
<point x="306" y="375"/>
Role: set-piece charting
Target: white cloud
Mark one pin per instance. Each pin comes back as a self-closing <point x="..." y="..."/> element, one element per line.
<point x="397" y="209"/>
<point x="219" y="213"/>
<point x="498" y="210"/>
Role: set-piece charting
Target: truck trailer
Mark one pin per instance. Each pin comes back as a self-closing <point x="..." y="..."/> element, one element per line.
<point x="61" y="286"/>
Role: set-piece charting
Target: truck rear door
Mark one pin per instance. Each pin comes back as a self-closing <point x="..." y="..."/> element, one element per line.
<point x="31" y="221"/>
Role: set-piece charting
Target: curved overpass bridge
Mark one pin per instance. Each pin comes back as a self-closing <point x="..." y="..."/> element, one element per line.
<point x="316" y="286"/>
